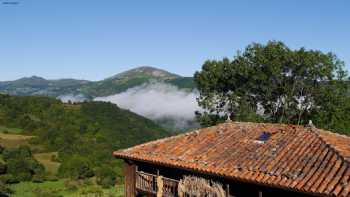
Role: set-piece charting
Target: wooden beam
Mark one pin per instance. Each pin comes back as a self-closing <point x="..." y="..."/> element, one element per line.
<point x="130" y="179"/>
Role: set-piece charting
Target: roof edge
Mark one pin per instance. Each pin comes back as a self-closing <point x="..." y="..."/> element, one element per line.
<point x="203" y="171"/>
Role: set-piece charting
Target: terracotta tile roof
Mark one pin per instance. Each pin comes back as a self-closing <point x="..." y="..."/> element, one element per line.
<point x="293" y="157"/>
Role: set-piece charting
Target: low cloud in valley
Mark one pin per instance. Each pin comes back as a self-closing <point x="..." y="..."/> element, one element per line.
<point x="158" y="101"/>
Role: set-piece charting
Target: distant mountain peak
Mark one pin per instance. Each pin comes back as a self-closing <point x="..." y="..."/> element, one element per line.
<point x="34" y="77"/>
<point x="147" y="71"/>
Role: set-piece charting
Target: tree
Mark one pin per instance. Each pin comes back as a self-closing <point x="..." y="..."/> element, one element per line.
<point x="21" y="165"/>
<point x="105" y="176"/>
<point x="5" y="190"/>
<point x="76" y="167"/>
<point x="3" y="167"/>
<point x="270" y="83"/>
<point x="20" y="152"/>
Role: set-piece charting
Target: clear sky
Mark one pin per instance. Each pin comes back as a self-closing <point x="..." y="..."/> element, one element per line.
<point x="88" y="39"/>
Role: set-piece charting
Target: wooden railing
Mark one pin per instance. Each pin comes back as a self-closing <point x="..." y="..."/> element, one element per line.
<point x="170" y="187"/>
<point x="146" y="182"/>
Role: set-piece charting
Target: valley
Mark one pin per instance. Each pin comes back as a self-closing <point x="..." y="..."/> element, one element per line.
<point x="71" y="90"/>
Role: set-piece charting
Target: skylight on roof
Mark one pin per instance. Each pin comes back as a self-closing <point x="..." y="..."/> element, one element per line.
<point x="264" y="136"/>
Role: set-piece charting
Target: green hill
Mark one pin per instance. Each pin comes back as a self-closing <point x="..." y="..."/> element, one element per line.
<point x="79" y="138"/>
<point x="34" y="85"/>
<point x="55" y="122"/>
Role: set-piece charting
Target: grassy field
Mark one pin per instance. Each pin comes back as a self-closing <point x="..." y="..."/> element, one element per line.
<point x="11" y="138"/>
<point x="29" y="189"/>
<point x="46" y="159"/>
<point x="10" y="130"/>
<point x="14" y="140"/>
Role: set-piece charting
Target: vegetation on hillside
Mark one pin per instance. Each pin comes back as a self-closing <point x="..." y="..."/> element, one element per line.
<point x="39" y="86"/>
<point x="79" y="138"/>
<point x="274" y="83"/>
<point x="20" y="165"/>
<point x="183" y="83"/>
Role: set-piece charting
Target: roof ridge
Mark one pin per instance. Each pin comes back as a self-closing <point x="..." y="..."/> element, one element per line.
<point x="333" y="133"/>
<point x="195" y="131"/>
<point x="331" y="146"/>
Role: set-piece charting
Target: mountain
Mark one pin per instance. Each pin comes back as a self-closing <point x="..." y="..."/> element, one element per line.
<point x="90" y="89"/>
<point x="146" y="71"/>
<point x="131" y="78"/>
<point x="39" y="86"/>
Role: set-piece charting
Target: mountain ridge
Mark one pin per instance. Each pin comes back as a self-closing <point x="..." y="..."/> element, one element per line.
<point x="148" y="70"/>
<point x="36" y="85"/>
<point x="131" y="70"/>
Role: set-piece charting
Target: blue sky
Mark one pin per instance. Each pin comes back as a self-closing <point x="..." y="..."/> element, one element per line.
<point x="96" y="39"/>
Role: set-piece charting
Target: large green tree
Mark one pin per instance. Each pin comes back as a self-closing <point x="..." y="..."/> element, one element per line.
<point x="273" y="83"/>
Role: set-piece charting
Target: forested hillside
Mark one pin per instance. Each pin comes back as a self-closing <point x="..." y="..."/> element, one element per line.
<point x="83" y="136"/>
<point x="39" y="86"/>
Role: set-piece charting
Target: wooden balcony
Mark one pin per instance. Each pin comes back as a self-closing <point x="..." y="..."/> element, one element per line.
<point x="147" y="183"/>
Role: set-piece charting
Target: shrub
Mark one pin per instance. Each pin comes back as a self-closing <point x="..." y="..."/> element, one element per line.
<point x="45" y="193"/>
<point x="38" y="178"/>
<point x="1" y="149"/>
<point x="8" y="179"/>
<point x="3" y="168"/>
<point x="76" y="167"/>
<point x="88" y="182"/>
<point x="22" y="166"/>
<point x="50" y="177"/>
<point x="54" y="158"/>
<point x="21" y="152"/>
<point x="71" y="185"/>
<point x="5" y="190"/>
<point x="105" y="176"/>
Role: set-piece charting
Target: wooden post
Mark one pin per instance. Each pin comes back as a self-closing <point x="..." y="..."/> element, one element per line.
<point x="227" y="190"/>
<point x="129" y="179"/>
<point x="155" y="181"/>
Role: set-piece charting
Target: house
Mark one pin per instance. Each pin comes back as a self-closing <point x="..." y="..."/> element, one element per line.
<point x="242" y="160"/>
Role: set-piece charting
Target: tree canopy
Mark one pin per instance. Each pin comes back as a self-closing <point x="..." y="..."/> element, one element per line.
<point x="273" y="83"/>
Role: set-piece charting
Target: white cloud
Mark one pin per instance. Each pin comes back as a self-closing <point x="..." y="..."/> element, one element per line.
<point x="158" y="101"/>
<point x="72" y="98"/>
